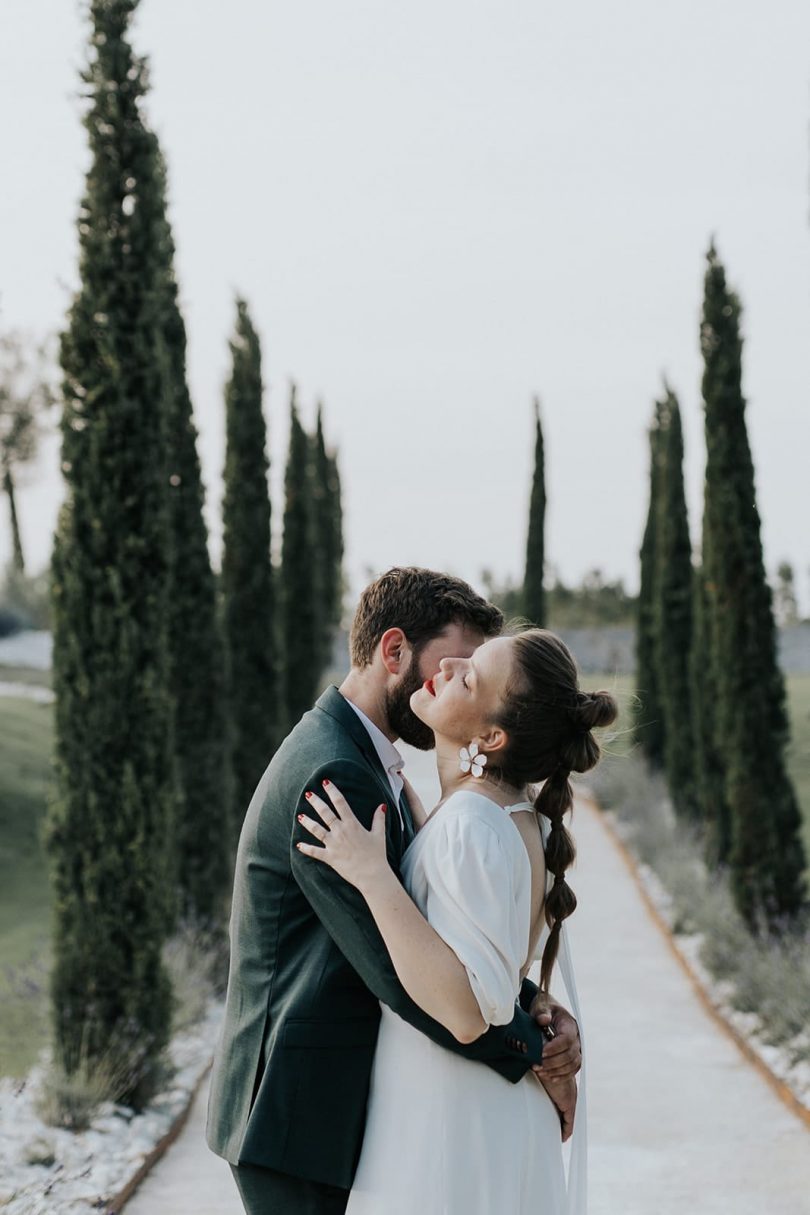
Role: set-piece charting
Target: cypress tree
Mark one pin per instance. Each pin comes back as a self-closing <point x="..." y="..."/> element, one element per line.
<point x="786" y="606"/>
<point x="673" y="611"/>
<point x="109" y="823"/>
<point x="709" y="773"/>
<point x="248" y="583"/>
<point x="338" y="548"/>
<point x="766" y="857"/>
<point x="648" y="730"/>
<point x="197" y="672"/>
<point x="328" y="540"/>
<point x="534" y="597"/>
<point x="303" y="652"/>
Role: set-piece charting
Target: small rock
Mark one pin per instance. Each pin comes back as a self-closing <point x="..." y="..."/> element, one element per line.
<point x="40" y="1150"/>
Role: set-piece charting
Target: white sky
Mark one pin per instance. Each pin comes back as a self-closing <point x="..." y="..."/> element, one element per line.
<point x="435" y="210"/>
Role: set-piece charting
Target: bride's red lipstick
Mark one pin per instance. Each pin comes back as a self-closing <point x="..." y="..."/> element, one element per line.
<point x="428" y="685"/>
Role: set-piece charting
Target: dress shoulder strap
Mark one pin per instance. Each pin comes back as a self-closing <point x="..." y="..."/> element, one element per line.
<point x="517" y="806"/>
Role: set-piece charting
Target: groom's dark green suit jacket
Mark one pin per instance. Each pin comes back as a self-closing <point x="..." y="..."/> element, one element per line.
<point x="309" y="967"/>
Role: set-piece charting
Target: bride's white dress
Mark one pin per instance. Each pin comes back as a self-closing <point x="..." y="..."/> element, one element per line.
<point x="445" y="1136"/>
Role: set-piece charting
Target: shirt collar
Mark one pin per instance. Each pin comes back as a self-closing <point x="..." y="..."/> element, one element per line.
<point x="389" y="757"/>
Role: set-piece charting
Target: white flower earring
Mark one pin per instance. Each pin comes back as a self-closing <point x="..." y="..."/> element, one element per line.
<point x="470" y="759"/>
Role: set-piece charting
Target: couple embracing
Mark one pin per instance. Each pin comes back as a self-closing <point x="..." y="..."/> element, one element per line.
<point x="383" y="1052"/>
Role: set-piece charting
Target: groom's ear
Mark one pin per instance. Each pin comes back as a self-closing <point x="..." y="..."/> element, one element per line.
<point x="394" y="651"/>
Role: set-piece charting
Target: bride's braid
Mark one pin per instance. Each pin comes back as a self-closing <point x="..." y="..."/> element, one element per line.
<point x="549" y="723"/>
<point x="554" y="800"/>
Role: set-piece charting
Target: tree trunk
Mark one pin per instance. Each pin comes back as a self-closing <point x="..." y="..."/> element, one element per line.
<point x="8" y="487"/>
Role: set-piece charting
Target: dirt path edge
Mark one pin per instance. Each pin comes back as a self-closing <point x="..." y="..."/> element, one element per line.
<point x="117" y="1204"/>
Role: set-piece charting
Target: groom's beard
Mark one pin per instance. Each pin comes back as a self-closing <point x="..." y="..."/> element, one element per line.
<point x="401" y="717"/>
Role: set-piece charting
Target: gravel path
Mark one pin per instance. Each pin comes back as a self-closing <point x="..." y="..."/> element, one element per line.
<point x="679" y="1121"/>
<point x="189" y="1180"/>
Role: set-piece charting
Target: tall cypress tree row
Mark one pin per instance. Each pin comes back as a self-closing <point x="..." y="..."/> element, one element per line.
<point x="110" y="817"/>
<point x="673" y="611"/>
<point x="767" y="859"/>
<point x="327" y="575"/>
<point x="248" y="582"/>
<point x="302" y="650"/>
<point x="534" y="597"/>
<point x="709" y="773"/>
<point x="648" y="730"/>
<point x="195" y="646"/>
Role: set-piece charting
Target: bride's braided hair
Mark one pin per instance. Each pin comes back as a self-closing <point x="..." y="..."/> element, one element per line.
<point x="549" y="723"/>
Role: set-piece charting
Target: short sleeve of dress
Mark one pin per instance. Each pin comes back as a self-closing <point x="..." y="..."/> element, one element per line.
<point x="479" y="902"/>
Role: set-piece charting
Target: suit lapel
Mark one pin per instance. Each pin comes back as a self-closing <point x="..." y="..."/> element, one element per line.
<point x="410" y="830"/>
<point x="336" y="705"/>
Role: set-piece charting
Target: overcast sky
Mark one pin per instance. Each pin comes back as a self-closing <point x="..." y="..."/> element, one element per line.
<point x="435" y="210"/>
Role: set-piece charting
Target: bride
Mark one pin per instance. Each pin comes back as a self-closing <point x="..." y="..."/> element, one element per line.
<point x="481" y="880"/>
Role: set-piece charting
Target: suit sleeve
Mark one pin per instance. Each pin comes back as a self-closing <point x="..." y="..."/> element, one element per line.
<point x="509" y="1049"/>
<point x="528" y="990"/>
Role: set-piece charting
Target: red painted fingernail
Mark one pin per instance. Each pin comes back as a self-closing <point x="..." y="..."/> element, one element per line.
<point x="308" y="795"/>
<point x="384" y="809"/>
<point x="300" y="818"/>
<point x="325" y="783"/>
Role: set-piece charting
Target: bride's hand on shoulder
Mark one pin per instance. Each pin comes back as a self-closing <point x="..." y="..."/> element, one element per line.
<point x="356" y="854"/>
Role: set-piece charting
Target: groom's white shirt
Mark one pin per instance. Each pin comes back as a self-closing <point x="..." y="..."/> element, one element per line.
<point x="389" y="757"/>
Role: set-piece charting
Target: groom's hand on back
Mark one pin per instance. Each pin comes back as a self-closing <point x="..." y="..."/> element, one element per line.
<point x="563" y="1094"/>
<point x="562" y="1059"/>
<point x="562" y="1055"/>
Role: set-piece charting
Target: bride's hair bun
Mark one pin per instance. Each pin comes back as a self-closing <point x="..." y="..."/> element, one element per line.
<point x="594" y="709"/>
<point x="581" y="751"/>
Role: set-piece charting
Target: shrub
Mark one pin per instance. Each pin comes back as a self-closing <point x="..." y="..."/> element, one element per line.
<point x="24" y="601"/>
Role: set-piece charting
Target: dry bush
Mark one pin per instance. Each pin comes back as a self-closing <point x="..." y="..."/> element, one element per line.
<point x="72" y="1098"/>
<point x="193" y="959"/>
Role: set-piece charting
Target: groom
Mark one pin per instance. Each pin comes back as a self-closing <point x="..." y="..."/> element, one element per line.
<point x="308" y="966"/>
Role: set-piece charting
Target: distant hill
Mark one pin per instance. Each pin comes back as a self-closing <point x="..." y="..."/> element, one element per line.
<point x="612" y="648"/>
<point x="608" y="648"/>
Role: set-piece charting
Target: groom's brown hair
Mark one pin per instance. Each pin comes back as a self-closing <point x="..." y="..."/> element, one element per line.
<point x="420" y="602"/>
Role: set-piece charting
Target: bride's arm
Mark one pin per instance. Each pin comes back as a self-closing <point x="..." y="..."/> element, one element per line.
<point x="427" y="967"/>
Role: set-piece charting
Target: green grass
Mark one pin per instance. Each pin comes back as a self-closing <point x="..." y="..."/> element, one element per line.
<point x="12" y="674"/>
<point x="26" y="741"/>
